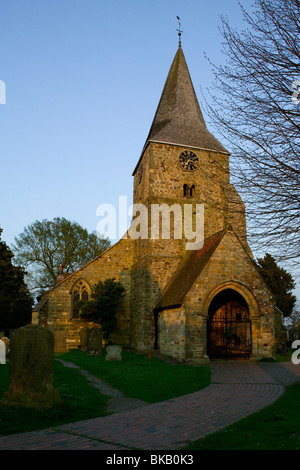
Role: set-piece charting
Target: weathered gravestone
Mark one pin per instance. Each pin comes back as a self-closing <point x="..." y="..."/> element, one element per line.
<point x="94" y="342"/>
<point x="84" y="334"/>
<point x="31" y="369"/>
<point x="60" y="340"/>
<point x="2" y="352"/>
<point x="113" y="353"/>
<point x="7" y="343"/>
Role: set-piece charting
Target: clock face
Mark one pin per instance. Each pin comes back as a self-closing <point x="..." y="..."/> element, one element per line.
<point x="188" y="160"/>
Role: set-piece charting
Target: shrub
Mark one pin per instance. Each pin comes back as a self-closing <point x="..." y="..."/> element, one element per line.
<point x="102" y="307"/>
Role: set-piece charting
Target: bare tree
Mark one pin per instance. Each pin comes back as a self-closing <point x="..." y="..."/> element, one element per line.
<point x="256" y="108"/>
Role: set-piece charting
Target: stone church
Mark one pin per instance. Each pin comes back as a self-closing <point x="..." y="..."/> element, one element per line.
<point x="190" y="304"/>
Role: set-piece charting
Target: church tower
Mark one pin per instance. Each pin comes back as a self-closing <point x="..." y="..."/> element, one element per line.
<point x="182" y="167"/>
<point x="193" y="294"/>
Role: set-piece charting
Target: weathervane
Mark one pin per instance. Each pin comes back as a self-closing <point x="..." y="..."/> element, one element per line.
<point x="179" y="30"/>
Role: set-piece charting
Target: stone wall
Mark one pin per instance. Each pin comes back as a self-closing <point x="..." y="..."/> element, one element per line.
<point x="145" y="266"/>
<point x="230" y="268"/>
<point x="163" y="179"/>
<point x="156" y="260"/>
<point x="183" y="331"/>
<point x="172" y="333"/>
<point x="113" y="263"/>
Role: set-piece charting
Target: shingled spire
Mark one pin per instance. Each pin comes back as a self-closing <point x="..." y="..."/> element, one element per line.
<point x="178" y="119"/>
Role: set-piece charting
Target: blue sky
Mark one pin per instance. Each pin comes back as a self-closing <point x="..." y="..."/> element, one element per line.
<point x="83" y="80"/>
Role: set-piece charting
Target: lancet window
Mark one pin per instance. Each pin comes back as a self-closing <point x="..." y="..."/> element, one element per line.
<point x="188" y="190"/>
<point x="80" y="291"/>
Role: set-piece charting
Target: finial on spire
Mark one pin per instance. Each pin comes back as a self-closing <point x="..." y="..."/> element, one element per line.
<point x="179" y="30"/>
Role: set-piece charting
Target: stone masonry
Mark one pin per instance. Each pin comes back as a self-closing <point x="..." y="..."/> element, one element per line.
<point x="170" y="289"/>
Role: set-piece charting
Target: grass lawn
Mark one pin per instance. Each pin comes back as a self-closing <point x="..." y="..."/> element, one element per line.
<point x="82" y="402"/>
<point x="135" y="376"/>
<point x="285" y="357"/>
<point x="276" y="427"/>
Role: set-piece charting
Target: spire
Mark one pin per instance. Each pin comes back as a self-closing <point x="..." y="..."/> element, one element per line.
<point x="178" y="119"/>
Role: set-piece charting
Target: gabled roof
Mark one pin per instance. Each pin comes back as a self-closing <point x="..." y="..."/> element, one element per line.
<point x="178" y="119"/>
<point x="66" y="276"/>
<point x="187" y="273"/>
<point x="41" y="303"/>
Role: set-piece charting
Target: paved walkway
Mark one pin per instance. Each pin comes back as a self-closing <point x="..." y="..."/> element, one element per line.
<point x="237" y="390"/>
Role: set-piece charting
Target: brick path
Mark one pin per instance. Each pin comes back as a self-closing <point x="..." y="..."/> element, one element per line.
<point x="237" y="390"/>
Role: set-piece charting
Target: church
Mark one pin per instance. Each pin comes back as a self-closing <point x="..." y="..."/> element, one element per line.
<point x="197" y="304"/>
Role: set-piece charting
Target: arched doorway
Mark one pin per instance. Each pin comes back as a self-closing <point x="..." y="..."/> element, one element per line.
<point x="228" y="327"/>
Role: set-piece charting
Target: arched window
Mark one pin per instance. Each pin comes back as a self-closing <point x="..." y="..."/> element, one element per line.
<point x="80" y="291"/>
<point x="188" y="191"/>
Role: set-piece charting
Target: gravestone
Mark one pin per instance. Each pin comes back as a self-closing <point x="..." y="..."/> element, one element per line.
<point x="60" y="341"/>
<point x="31" y="369"/>
<point x="2" y="352"/>
<point x="113" y="353"/>
<point x="94" y="342"/>
<point x="7" y="343"/>
<point x="84" y="334"/>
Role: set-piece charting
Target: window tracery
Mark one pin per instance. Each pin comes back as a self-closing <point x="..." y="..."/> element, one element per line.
<point x="79" y="292"/>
